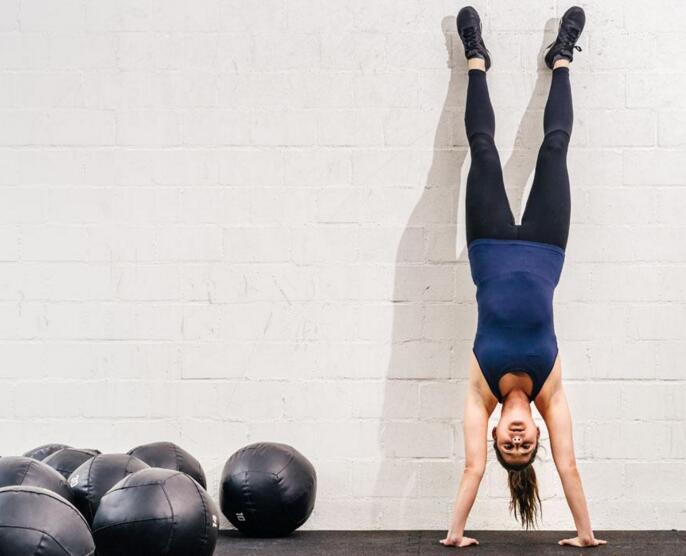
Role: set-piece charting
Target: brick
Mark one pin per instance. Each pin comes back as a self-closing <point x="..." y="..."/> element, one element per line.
<point x="390" y="399"/>
<point x="420" y="359"/>
<point x="9" y="14"/>
<point x="37" y="16"/>
<point x="148" y="128"/>
<point x="277" y="128"/>
<point x="420" y="439"/>
<point x="603" y="90"/>
<point x="629" y="440"/>
<point x="350" y="127"/>
<point x="215" y="127"/>
<point x="613" y="128"/>
<point x="652" y="90"/>
<point x="248" y="244"/>
<point x="640" y="486"/>
<point x="384" y="480"/>
<point x="513" y="17"/>
<point x="654" y="167"/>
<point x="23" y="51"/>
<point x="383" y="90"/>
<point x="251" y="167"/>
<point x="292" y="51"/>
<point x="608" y="49"/>
<point x="444" y="401"/>
<point x="356" y="50"/>
<point x="652" y="401"/>
<point x="213" y="360"/>
<point x="125" y="15"/>
<point x="345" y="281"/>
<point x="325" y="243"/>
<point x="671" y="128"/>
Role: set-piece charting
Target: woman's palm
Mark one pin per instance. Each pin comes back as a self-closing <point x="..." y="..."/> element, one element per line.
<point x="578" y="541"/>
<point x="460" y="542"/>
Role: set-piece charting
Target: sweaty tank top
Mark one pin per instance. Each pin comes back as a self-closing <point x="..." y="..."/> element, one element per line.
<point x="515" y="281"/>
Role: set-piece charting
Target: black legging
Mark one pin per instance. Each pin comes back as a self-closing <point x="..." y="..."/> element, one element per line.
<point x="547" y="211"/>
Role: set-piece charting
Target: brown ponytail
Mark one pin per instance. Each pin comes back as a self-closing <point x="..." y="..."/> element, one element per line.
<point x="524" y="499"/>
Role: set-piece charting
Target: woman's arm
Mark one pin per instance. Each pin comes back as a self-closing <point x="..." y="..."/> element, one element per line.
<point x="558" y="419"/>
<point x="475" y="431"/>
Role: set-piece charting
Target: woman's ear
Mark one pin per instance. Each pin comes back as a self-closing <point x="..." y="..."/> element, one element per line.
<point x="493" y="433"/>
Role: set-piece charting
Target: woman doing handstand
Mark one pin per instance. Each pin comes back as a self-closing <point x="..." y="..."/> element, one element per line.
<point x="516" y="267"/>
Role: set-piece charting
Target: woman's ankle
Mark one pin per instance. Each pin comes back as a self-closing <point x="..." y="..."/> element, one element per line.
<point x="561" y="63"/>
<point x="476" y="63"/>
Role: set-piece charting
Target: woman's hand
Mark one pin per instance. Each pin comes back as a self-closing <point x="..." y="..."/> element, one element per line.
<point x="457" y="540"/>
<point x="581" y="541"/>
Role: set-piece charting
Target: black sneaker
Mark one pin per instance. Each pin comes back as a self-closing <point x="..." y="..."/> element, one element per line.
<point x="571" y="25"/>
<point x="469" y="29"/>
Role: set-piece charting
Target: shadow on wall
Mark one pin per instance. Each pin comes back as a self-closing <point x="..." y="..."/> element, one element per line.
<point x="434" y="316"/>
<point x="519" y="168"/>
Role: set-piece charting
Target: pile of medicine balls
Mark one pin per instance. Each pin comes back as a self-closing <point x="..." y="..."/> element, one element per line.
<point x="57" y="500"/>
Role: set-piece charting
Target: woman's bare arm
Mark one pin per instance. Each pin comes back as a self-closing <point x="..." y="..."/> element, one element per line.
<point x="558" y="419"/>
<point x="475" y="431"/>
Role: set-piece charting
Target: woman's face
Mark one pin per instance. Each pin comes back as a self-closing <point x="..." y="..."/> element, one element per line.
<point x="516" y="437"/>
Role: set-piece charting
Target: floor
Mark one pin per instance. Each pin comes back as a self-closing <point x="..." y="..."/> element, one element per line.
<point x="424" y="543"/>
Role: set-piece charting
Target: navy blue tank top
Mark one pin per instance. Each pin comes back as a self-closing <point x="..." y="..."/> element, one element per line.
<point x="515" y="281"/>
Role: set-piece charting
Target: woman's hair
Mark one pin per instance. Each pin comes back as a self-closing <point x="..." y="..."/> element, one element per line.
<point x="524" y="498"/>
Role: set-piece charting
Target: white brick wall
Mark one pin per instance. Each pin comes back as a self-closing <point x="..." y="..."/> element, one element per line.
<point x="224" y="221"/>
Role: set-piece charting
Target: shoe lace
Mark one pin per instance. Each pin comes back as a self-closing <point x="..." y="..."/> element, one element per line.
<point x="569" y="37"/>
<point x="470" y="38"/>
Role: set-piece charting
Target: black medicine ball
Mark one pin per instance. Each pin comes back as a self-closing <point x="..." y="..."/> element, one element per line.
<point x="42" y="452"/>
<point x="19" y="470"/>
<point x="37" y="521"/>
<point x="68" y="459"/>
<point x="93" y="478"/>
<point x="267" y="489"/>
<point x="156" y="512"/>
<point x="168" y="455"/>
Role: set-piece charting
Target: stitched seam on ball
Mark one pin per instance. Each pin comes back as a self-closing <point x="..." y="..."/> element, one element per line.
<point x="159" y="482"/>
<point x="88" y="485"/>
<point x="41" y="546"/>
<point x="173" y="517"/>
<point x="290" y="460"/>
<point x="204" y="536"/>
<point x="251" y="471"/>
<point x="26" y="472"/>
<point x="130" y="522"/>
<point x="57" y="498"/>
<point x="128" y="464"/>
<point x="177" y="457"/>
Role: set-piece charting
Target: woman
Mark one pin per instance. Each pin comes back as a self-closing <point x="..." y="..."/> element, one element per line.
<point x="516" y="268"/>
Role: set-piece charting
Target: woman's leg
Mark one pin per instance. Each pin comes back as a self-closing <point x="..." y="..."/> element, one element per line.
<point x="547" y="212"/>
<point x="488" y="213"/>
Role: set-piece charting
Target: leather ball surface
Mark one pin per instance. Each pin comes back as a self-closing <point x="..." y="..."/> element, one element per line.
<point x="267" y="489"/>
<point x="68" y="459"/>
<point x="42" y="452"/>
<point x="37" y="522"/>
<point x="170" y="456"/>
<point x="93" y="478"/>
<point x="156" y="512"/>
<point x="20" y="470"/>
